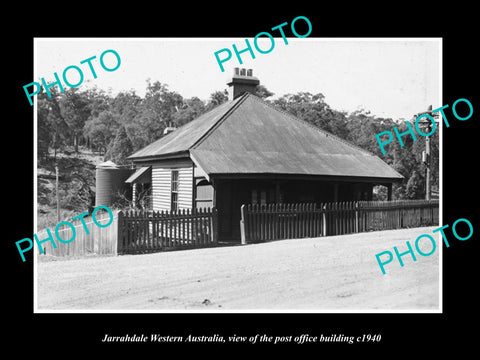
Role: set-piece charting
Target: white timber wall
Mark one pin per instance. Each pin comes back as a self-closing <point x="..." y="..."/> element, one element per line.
<point x="185" y="188"/>
<point x="161" y="187"/>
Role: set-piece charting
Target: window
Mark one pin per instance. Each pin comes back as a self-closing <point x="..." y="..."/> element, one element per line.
<point x="174" y="191"/>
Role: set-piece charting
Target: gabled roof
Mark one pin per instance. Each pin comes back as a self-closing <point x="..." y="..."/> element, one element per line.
<point x="250" y="136"/>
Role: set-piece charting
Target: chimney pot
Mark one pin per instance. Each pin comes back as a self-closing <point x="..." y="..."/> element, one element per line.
<point x="236" y="71"/>
<point x="242" y="83"/>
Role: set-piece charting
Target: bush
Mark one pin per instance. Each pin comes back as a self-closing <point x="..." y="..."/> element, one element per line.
<point x="415" y="186"/>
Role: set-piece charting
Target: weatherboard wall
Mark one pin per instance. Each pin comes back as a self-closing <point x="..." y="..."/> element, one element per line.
<point x="162" y="186"/>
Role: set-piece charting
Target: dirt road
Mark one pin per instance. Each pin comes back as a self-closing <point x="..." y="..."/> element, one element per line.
<point x="332" y="273"/>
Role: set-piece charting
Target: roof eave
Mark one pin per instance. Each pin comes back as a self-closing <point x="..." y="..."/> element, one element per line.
<point x="349" y="178"/>
<point x="172" y="155"/>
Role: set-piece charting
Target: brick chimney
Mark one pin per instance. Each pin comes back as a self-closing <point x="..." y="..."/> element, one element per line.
<point x="242" y="80"/>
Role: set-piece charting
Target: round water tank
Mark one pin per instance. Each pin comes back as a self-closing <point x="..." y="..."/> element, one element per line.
<point x="109" y="182"/>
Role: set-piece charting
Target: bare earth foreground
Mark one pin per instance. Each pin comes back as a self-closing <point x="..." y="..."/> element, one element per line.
<point x="338" y="273"/>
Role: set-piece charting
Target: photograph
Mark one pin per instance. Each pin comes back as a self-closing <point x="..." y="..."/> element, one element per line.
<point x="304" y="183"/>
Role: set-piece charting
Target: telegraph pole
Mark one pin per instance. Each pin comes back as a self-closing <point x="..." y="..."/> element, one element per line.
<point x="56" y="191"/>
<point x="427" y="164"/>
<point x="426" y="154"/>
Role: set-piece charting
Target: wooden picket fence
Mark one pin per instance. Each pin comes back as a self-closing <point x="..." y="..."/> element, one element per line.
<point x="290" y="221"/>
<point x="388" y="215"/>
<point x="151" y="231"/>
<point x="93" y="241"/>
<point x="134" y="232"/>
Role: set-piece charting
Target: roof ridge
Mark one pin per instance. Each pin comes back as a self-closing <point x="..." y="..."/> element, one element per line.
<point x="222" y="118"/>
<point x="325" y="132"/>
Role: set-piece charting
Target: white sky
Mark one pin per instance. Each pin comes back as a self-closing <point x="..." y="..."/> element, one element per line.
<point x="391" y="77"/>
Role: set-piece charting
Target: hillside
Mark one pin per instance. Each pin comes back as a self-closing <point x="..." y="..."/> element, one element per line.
<point x="76" y="185"/>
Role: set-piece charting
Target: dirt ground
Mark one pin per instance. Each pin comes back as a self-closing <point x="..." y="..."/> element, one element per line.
<point x="338" y="273"/>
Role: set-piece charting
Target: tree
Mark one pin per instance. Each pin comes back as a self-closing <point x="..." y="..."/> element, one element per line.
<point x="98" y="101"/>
<point x="262" y="92"/>
<point x="126" y="106"/>
<point x="161" y="103"/>
<point x="44" y="129"/>
<point x="362" y="127"/>
<point x="75" y="109"/>
<point x="155" y="112"/>
<point x="415" y="186"/>
<point x="120" y="148"/>
<point x="313" y="109"/>
<point x="53" y="131"/>
<point x="101" y="130"/>
<point x="190" y="110"/>
<point x="217" y="98"/>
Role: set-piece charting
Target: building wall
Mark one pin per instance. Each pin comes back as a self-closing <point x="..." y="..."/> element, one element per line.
<point x="185" y="188"/>
<point x="161" y="187"/>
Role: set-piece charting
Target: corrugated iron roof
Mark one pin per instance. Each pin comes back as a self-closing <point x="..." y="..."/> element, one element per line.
<point x="249" y="136"/>
<point x="137" y="174"/>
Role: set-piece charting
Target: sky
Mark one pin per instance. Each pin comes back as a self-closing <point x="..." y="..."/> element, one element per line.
<point x="390" y="77"/>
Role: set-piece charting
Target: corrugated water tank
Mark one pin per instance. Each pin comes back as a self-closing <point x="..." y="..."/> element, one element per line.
<point x="110" y="181"/>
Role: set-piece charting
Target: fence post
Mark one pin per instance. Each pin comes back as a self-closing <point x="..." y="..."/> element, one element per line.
<point x="324" y="225"/>
<point x="120" y="233"/>
<point x="242" y="225"/>
<point x="356" y="216"/>
<point x="214" y="225"/>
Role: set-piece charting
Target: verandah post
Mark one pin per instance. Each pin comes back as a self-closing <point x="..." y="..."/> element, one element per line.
<point x="214" y="225"/>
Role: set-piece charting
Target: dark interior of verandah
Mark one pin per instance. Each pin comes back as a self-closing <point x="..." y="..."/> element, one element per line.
<point x="230" y="194"/>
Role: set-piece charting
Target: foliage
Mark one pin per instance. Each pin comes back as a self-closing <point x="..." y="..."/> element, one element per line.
<point x="314" y="109"/>
<point x="101" y="130"/>
<point x="120" y="148"/>
<point x="53" y="130"/>
<point x="189" y="110"/>
<point x="415" y="187"/>
<point x="262" y="92"/>
<point x="217" y="98"/>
